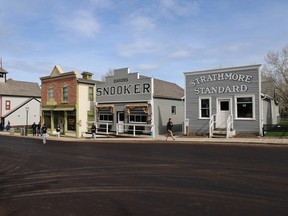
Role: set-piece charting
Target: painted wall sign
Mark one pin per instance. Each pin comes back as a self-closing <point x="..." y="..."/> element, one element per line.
<point x="129" y="89"/>
<point x="237" y="77"/>
<point x="120" y="80"/>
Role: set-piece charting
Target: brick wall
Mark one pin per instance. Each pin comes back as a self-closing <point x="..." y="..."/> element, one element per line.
<point x="57" y="84"/>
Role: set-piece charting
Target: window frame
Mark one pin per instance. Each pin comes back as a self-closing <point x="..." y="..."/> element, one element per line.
<point x="50" y="93"/>
<point x="253" y="107"/>
<point x="173" y="110"/>
<point x="137" y="114"/>
<point x="65" y="99"/>
<point x="200" y="107"/>
<point x="103" y="114"/>
<point x="7" y="105"/>
<point x="90" y="93"/>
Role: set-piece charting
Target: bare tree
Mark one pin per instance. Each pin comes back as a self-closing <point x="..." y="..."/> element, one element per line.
<point x="276" y="72"/>
<point x="110" y="72"/>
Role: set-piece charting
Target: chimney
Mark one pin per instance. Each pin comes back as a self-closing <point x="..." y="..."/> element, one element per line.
<point x="87" y="75"/>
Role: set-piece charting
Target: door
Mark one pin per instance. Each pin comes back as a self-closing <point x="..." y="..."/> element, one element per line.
<point x="223" y="111"/>
<point x="120" y="121"/>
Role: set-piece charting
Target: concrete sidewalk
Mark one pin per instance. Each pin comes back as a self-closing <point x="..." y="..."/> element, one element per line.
<point x="186" y="139"/>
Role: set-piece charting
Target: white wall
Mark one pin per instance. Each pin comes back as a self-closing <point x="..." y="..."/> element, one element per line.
<point x="84" y="105"/>
<point x="19" y="117"/>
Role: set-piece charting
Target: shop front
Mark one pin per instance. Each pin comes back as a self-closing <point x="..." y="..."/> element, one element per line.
<point x="125" y="104"/>
<point x="227" y="99"/>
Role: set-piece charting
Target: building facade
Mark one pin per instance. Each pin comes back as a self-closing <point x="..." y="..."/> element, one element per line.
<point x="128" y="103"/>
<point x="227" y="97"/>
<point x="20" y="102"/>
<point x="68" y="100"/>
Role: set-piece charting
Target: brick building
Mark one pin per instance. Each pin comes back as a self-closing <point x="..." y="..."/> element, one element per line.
<point x="68" y="100"/>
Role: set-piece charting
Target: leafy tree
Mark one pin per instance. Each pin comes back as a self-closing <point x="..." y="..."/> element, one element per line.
<point x="276" y="72"/>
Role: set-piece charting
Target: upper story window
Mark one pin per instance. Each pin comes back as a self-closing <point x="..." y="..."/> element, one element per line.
<point x="91" y="94"/>
<point x="173" y="110"/>
<point x="50" y="93"/>
<point x="8" y="104"/>
<point x="65" y="94"/>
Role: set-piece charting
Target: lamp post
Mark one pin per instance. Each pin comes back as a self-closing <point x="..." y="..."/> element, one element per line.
<point x="26" y="130"/>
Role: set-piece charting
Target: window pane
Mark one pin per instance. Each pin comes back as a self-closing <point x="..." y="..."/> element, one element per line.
<point x="65" y="93"/>
<point x="247" y="99"/>
<point x="224" y="105"/>
<point x="244" y="107"/>
<point x="205" y="109"/>
<point x="205" y="103"/>
<point x="205" y="113"/>
<point x="173" y="110"/>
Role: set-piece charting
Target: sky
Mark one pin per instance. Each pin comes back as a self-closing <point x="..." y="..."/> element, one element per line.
<point x="157" y="38"/>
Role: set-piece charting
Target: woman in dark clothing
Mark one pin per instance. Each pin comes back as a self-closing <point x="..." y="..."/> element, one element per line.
<point x="169" y="129"/>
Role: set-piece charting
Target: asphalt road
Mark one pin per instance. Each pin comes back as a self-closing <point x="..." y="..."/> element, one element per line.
<point x="93" y="178"/>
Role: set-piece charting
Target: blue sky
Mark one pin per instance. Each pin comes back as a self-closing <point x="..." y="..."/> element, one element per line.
<point x="158" y="38"/>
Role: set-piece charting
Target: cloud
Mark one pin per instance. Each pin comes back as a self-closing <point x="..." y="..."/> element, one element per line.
<point x="107" y="4"/>
<point x="81" y="22"/>
<point x="179" y="7"/>
<point x="139" y="46"/>
<point x="147" y="67"/>
<point x="139" y="23"/>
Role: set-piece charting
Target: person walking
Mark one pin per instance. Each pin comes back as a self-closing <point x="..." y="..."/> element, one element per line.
<point x="58" y="130"/>
<point x="38" y="130"/>
<point x="34" y="127"/>
<point x="93" y="131"/>
<point x="44" y="133"/>
<point x="169" y="129"/>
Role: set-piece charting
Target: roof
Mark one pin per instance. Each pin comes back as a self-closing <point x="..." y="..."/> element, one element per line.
<point x="221" y="70"/>
<point x="3" y="71"/>
<point x="167" y="89"/>
<point x="19" y="88"/>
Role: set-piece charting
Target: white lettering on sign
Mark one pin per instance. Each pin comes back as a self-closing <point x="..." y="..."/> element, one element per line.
<point x="221" y="89"/>
<point x="128" y="89"/>
<point x="221" y="76"/>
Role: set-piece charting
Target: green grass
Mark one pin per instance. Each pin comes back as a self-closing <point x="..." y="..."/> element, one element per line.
<point x="283" y="123"/>
<point x="277" y="134"/>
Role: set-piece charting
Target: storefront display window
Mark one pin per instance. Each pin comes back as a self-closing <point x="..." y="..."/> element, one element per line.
<point x="105" y="116"/>
<point x="71" y="120"/>
<point x="138" y="117"/>
<point x="244" y="107"/>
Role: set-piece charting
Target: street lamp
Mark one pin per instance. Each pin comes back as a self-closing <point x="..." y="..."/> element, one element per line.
<point x="27" y="110"/>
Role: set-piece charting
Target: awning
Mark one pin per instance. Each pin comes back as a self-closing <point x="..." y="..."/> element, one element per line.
<point x="129" y="107"/>
<point x="107" y="106"/>
<point x="58" y="108"/>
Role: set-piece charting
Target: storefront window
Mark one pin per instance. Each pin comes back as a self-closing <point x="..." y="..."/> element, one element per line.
<point x="138" y="117"/>
<point x="71" y="120"/>
<point x="105" y="116"/>
<point x="204" y="107"/>
<point x="244" y="107"/>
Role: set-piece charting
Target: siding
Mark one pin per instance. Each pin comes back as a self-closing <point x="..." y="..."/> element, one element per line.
<point x="197" y="125"/>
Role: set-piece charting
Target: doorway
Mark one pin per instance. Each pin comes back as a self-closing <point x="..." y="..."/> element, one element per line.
<point x="120" y="121"/>
<point x="223" y="111"/>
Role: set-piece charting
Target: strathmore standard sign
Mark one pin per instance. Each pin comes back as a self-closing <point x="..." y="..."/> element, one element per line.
<point x="241" y="81"/>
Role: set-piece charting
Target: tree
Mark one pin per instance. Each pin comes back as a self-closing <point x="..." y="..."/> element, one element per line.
<point x="110" y="72"/>
<point x="276" y="71"/>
